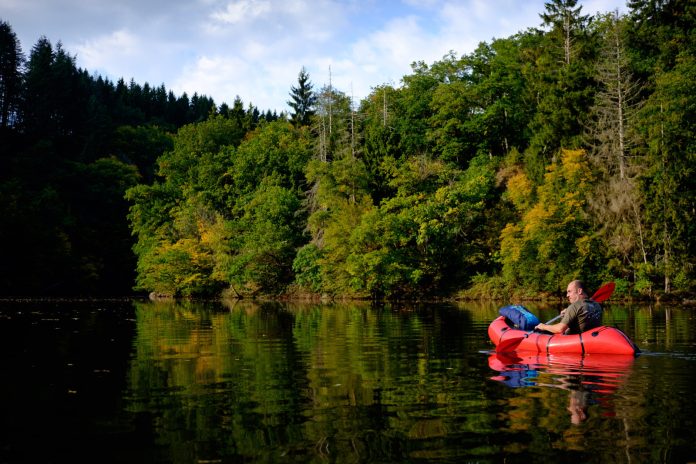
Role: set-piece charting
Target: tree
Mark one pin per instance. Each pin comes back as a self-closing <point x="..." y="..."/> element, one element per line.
<point x="669" y="125"/>
<point x="264" y="240"/>
<point x="427" y="239"/>
<point x="501" y="88"/>
<point x="171" y="217"/>
<point x="612" y="137"/>
<point x="274" y="150"/>
<point x="662" y="46"/>
<point x="661" y="30"/>
<point x="339" y="202"/>
<point x="564" y="18"/>
<point x="140" y="146"/>
<point x="554" y="239"/>
<point x="11" y="62"/>
<point x="39" y="111"/>
<point x="479" y="107"/>
<point x="379" y="139"/>
<point x="561" y="79"/>
<point x="331" y="124"/>
<point x="302" y="100"/>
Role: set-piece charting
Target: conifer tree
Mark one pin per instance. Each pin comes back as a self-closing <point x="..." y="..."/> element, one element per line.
<point x="302" y="100"/>
<point x="11" y="61"/>
<point x="564" y="17"/>
<point x="563" y="84"/>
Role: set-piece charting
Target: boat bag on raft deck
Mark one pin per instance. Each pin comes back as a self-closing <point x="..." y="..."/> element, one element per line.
<point x="519" y="317"/>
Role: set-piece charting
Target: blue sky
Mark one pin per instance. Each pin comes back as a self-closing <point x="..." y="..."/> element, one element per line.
<point x="255" y="48"/>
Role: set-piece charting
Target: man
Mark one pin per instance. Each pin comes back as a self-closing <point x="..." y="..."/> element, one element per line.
<point x="582" y="314"/>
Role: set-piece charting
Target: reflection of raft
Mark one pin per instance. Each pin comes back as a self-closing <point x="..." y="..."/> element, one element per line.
<point x="602" y="339"/>
<point x="600" y="373"/>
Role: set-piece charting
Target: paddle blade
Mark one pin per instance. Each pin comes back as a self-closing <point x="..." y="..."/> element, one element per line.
<point x="511" y="343"/>
<point x="604" y="292"/>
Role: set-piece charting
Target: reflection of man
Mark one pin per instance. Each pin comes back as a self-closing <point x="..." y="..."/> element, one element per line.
<point x="577" y="405"/>
<point x="582" y="314"/>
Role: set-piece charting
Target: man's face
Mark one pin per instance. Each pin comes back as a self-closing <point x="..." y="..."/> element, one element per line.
<point x="573" y="292"/>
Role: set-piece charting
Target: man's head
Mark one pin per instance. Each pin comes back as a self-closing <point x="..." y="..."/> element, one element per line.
<point x="576" y="291"/>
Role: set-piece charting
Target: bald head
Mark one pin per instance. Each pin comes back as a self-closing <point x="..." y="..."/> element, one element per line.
<point x="576" y="291"/>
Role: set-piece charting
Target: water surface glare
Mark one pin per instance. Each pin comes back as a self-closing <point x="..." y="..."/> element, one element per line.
<point x="202" y="382"/>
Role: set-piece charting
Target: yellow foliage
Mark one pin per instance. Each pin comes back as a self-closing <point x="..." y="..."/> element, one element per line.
<point x="519" y="191"/>
<point x="212" y="233"/>
<point x="563" y="193"/>
<point x="573" y="204"/>
<point x="575" y="166"/>
<point x="538" y="217"/>
<point x="510" y="242"/>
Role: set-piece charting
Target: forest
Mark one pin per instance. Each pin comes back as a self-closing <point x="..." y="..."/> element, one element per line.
<point x="564" y="151"/>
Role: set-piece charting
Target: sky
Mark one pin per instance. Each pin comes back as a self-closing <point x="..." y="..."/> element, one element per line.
<point x="255" y="49"/>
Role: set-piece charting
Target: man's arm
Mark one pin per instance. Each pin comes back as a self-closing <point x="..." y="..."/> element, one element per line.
<point x="559" y="328"/>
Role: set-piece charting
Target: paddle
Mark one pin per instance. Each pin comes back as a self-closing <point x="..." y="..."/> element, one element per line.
<point x="511" y="343"/>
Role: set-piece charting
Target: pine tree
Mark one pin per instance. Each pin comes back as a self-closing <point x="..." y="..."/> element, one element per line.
<point x="562" y="80"/>
<point x="11" y="60"/>
<point x="302" y="100"/>
<point x="564" y="17"/>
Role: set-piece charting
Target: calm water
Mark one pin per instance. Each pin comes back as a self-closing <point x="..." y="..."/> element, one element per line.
<point x="96" y="381"/>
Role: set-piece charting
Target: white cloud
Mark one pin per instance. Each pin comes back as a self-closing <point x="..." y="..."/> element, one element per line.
<point x="386" y="55"/>
<point x="242" y="11"/>
<point x="212" y="75"/>
<point x="102" y="51"/>
<point x="275" y="19"/>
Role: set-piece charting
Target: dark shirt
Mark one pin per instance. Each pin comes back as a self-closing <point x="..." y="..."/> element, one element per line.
<point x="582" y="315"/>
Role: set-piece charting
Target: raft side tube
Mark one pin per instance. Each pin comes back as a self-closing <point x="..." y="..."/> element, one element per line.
<point x="608" y="340"/>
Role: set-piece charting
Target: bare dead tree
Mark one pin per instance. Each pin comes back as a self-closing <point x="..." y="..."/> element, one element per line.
<point x="616" y="202"/>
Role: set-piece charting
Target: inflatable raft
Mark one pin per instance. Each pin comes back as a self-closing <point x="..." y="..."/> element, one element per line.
<point x="606" y="340"/>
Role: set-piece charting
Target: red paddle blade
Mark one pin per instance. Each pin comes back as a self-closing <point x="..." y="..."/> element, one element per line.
<point x="510" y="344"/>
<point x="604" y="292"/>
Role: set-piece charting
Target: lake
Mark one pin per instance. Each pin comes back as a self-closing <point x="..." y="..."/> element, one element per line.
<point x="210" y="382"/>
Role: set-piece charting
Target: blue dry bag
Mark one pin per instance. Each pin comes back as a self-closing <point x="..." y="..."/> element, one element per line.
<point x="519" y="316"/>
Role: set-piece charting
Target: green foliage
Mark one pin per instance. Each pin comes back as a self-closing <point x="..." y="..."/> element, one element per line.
<point x="423" y="240"/>
<point x="486" y="287"/>
<point x="339" y="202"/>
<point x="274" y="150"/>
<point x="670" y="132"/>
<point x="211" y="223"/>
<point x="479" y="107"/>
<point x="141" y="146"/>
<point x="265" y="239"/>
<point x="307" y="268"/>
<point x="562" y="82"/>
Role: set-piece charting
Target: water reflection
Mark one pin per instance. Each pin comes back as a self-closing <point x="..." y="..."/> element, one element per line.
<point x="589" y="379"/>
<point x="202" y="381"/>
<point x="278" y="382"/>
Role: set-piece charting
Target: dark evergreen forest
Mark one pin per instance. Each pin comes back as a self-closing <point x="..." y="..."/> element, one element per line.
<point x="72" y="144"/>
<point x="564" y="151"/>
